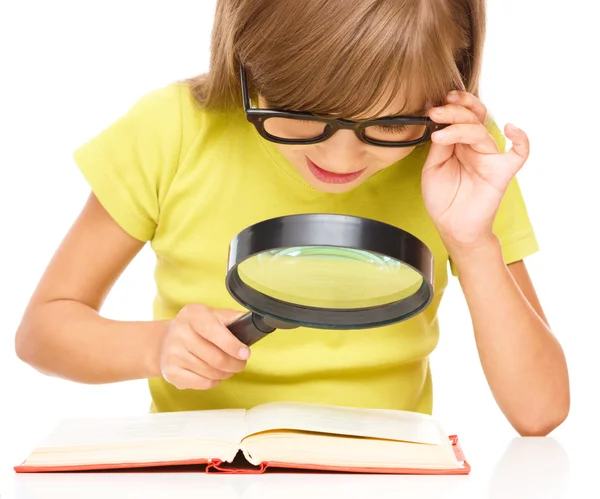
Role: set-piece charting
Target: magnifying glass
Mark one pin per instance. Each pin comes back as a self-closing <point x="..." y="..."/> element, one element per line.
<point x="326" y="271"/>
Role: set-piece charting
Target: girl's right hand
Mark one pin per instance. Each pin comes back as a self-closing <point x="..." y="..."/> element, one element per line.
<point x="198" y="351"/>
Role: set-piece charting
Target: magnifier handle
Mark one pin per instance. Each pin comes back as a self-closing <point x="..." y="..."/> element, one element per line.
<point x="250" y="328"/>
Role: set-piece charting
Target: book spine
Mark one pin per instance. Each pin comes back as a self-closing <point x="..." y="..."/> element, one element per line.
<point x="218" y="466"/>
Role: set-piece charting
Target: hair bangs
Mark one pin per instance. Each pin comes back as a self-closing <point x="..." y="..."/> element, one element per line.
<point x="342" y="58"/>
<point x="346" y="87"/>
<point x="381" y="58"/>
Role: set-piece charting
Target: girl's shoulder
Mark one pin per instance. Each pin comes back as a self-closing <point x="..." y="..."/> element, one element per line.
<point x="174" y="108"/>
<point x="131" y="164"/>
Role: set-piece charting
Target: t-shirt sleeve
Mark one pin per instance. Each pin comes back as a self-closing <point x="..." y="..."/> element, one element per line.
<point x="129" y="165"/>
<point x="512" y="225"/>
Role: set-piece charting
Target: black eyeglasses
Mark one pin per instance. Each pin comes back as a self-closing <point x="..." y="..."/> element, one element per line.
<point x="291" y="127"/>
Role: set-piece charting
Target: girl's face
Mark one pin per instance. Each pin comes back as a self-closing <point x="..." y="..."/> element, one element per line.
<point x="342" y="162"/>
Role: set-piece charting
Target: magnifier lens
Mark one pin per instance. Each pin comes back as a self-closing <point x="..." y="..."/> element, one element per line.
<point x="329" y="277"/>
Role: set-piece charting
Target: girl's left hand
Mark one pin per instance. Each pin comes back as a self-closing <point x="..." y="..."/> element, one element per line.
<point x="465" y="176"/>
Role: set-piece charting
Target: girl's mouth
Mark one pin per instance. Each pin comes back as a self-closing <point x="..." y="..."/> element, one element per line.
<point x="330" y="177"/>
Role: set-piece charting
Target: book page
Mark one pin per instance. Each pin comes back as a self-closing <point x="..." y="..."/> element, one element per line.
<point x="216" y="425"/>
<point x="374" y="423"/>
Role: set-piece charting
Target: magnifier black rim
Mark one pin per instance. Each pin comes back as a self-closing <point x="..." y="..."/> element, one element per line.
<point x="323" y="229"/>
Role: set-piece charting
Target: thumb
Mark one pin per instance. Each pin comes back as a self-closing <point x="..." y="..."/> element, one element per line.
<point x="519" y="151"/>
<point x="438" y="155"/>
<point x="226" y="315"/>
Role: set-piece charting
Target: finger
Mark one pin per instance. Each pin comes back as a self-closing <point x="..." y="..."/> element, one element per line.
<point x="519" y="152"/>
<point x="182" y="379"/>
<point x="474" y="135"/>
<point x="196" y="365"/>
<point x="210" y="324"/>
<point x="451" y="114"/>
<point x="469" y="101"/>
<point x="226" y="315"/>
<point x="203" y="348"/>
<point x="437" y="156"/>
<point x="220" y="335"/>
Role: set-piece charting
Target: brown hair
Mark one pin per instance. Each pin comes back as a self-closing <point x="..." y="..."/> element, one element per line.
<point x="342" y="57"/>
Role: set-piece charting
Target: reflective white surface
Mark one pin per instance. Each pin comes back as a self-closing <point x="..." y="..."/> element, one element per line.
<point x="532" y="468"/>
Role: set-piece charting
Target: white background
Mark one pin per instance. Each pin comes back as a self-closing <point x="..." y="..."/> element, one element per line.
<point x="70" y="68"/>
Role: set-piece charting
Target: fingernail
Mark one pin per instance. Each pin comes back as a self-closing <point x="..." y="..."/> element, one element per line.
<point x="513" y="127"/>
<point x="438" y="135"/>
<point x="452" y="96"/>
<point x="244" y="353"/>
<point x="438" y="110"/>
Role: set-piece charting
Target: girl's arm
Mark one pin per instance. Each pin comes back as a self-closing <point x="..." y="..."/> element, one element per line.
<point x="464" y="181"/>
<point x="522" y="361"/>
<point x="62" y="333"/>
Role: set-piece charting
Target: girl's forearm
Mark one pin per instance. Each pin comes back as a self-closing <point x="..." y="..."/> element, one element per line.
<point x="522" y="360"/>
<point x="70" y="340"/>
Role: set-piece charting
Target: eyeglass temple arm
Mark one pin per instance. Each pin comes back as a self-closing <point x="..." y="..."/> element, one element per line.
<point x="244" y="82"/>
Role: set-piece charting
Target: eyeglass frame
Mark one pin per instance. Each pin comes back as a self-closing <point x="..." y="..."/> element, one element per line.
<point x="258" y="116"/>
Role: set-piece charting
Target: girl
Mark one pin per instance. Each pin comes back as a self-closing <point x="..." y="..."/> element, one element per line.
<point x="185" y="170"/>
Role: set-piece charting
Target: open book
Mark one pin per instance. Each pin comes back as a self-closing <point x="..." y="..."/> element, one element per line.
<point x="279" y="434"/>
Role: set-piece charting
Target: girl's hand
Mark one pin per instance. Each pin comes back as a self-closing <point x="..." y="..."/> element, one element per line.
<point x="465" y="176"/>
<point x="198" y="351"/>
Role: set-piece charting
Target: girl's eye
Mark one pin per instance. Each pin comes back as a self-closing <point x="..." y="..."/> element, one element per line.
<point x="391" y="128"/>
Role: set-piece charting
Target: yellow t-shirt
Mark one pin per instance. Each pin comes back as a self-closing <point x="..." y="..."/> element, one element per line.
<point x="187" y="181"/>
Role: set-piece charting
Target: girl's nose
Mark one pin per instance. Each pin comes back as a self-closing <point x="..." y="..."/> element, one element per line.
<point x="343" y="152"/>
